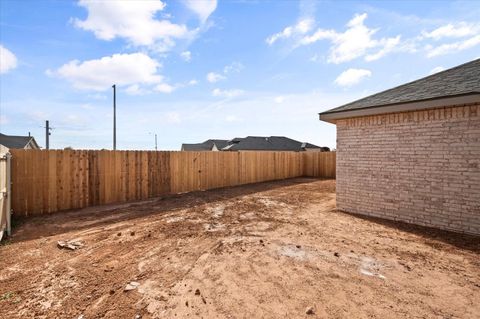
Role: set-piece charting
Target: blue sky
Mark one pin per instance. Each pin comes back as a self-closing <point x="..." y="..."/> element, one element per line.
<point x="193" y="70"/>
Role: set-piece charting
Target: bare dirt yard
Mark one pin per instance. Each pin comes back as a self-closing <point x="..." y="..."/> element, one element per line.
<point x="270" y="250"/>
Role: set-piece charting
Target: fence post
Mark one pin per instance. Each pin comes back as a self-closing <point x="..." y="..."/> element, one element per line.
<point x="5" y="193"/>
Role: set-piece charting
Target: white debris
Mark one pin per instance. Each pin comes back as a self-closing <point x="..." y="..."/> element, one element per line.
<point x="370" y="267"/>
<point x="70" y="244"/>
<point x="131" y="286"/>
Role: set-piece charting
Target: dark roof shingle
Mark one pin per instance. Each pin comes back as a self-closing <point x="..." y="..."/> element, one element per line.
<point x="13" y="141"/>
<point x="205" y="146"/>
<point x="271" y="143"/>
<point x="460" y="80"/>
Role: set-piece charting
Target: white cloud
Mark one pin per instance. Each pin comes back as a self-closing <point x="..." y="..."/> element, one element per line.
<point x="165" y="88"/>
<point x="132" y="20"/>
<point x="227" y="93"/>
<point x="320" y="34"/>
<point x="303" y="26"/>
<point x="437" y="69"/>
<point x="355" y="42"/>
<point x="186" y="55"/>
<point x="203" y="8"/>
<point x="193" y="82"/>
<point x="459" y="30"/>
<point x="352" y="76"/>
<point x="120" y="69"/>
<point x="234" y="67"/>
<point x="388" y="45"/>
<point x="136" y="89"/>
<point x="8" y="61"/>
<point x="213" y="77"/>
<point x="279" y="99"/>
<point x="433" y="51"/>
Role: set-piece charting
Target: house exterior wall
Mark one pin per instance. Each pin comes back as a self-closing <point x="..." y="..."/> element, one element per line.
<point x="420" y="167"/>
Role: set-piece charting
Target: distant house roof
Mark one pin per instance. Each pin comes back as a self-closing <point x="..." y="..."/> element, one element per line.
<point x="271" y="143"/>
<point x="12" y="141"/>
<point x="205" y="146"/>
<point x="458" y="85"/>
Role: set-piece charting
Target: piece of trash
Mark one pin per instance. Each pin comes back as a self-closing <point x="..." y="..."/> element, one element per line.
<point x="80" y="317"/>
<point x="309" y="311"/>
<point x="138" y="316"/>
<point x="71" y="244"/>
<point x="131" y="286"/>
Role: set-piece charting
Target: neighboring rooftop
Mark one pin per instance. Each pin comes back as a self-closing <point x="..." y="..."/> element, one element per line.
<point x="254" y="143"/>
<point x="461" y="84"/>
<point x="13" y="141"/>
<point x="205" y="146"/>
<point x="271" y="143"/>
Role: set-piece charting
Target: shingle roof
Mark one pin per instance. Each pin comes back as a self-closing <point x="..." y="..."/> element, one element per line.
<point x="205" y="146"/>
<point x="460" y="80"/>
<point x="12" y="141"/>
<point x="272" y="143"/>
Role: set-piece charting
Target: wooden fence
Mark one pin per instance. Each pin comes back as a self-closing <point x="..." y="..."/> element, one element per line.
<point x="54" y="180"/>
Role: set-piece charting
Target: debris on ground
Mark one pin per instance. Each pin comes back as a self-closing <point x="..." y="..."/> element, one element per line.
<point x="71" y="244"/>
<point x="242" y="277"/>
<point x="310" y="311"/>
<point x="131" y="286"/>
<point x="197" y="292"/>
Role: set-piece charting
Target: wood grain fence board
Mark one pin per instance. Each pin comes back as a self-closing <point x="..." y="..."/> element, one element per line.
<point x="54" y="180"/>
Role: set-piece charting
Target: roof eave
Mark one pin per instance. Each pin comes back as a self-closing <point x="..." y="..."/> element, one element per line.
<point x="332" y="117"/>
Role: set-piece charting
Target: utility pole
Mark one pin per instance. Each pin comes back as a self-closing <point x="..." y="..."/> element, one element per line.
<point x="47" y="135"/>
<point x="114" y="117"/>
<point x="156" y="142"/>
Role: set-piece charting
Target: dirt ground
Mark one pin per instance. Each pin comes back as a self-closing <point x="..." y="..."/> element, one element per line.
<point x="269" y="250"/>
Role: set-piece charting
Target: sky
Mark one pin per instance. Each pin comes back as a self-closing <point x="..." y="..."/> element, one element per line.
<point x="193" y="70"/>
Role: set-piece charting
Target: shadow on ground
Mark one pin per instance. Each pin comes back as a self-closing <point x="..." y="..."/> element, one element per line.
<point x="62" y="222"/>
<point x="430" y="235"/>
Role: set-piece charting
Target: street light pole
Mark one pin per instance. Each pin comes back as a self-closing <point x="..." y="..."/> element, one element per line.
<point x="156" y="142"/>
<point x="114" y="117"/>
<point x="47" y="134"/>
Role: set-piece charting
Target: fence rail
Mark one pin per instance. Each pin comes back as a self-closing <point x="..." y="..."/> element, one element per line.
<point x="49" y="181"/>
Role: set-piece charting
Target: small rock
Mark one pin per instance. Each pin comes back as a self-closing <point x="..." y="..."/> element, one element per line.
<point x="131" y="286"/>
<point x="72" y="245"/>
<point x="197" y="292"/>
<point x="132" y="233"/>
<point x="261" y="241"/>
<point x="309" y="311"/>
<point x="112" y="291"/>
<point x="299" y="246"/>
<point x="138" y="316"/>
<point x="336" y="254"/>
<point x="119" y="234"/>
<point x="204" y="301"/>
<point x="186" y="303"/>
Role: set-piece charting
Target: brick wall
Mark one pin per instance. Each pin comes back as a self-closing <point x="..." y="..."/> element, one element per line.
<point x="421" y="167"/>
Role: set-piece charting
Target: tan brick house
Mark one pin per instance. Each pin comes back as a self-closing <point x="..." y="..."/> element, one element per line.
<point x="412" y="153"/>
